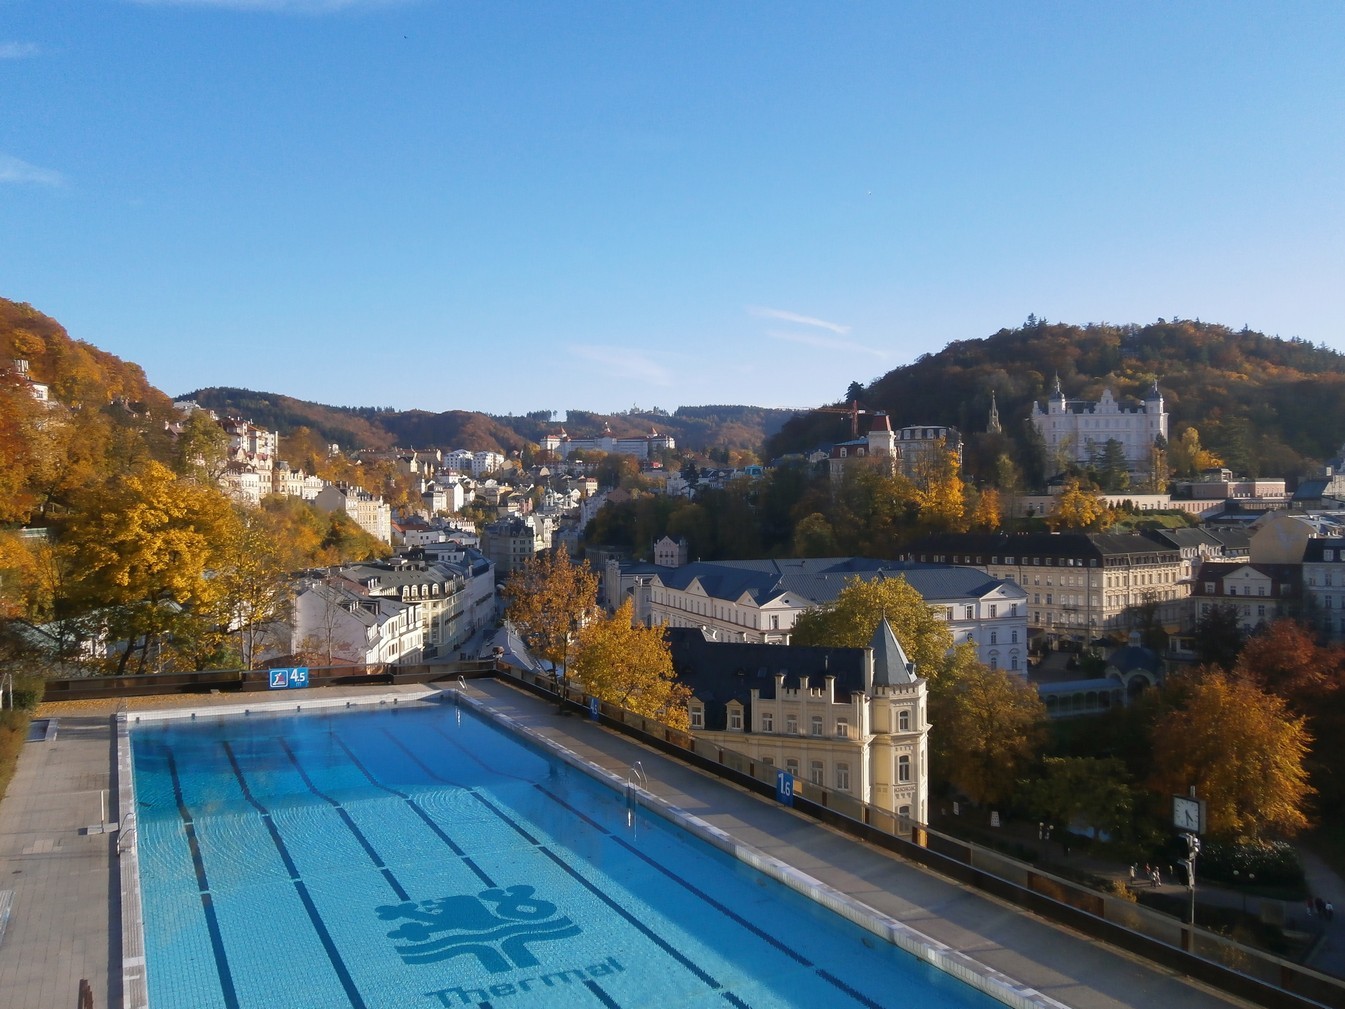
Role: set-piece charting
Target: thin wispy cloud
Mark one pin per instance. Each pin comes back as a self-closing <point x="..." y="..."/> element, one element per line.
<point x="276" y="6"/>
<point x="17" y="50"/>
<point x="17" y="172"/>
<point x="794" y="317"/>
<point x="824" y="342"/>
<point x="624" y="363"/>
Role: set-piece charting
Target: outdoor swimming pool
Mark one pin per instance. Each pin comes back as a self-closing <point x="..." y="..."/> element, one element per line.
<point x="422" y="857"/>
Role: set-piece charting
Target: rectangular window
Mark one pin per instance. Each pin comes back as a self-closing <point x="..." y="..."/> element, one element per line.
<point x="903" y="768"/>
<point x="792" y="765"/>
<point x="994" y="637"/>
<point x="792" y="724"/>
<point x="1013" y="609"/>
<point x="816" y="725"/>
<point x="768" y="721"/>
<point x="697" y="716"/>
<point x="843" y="728"/>
<point x="970" y="613"/>
<point x="994" y="611"/>
<point x="903" y="721"/>
<point x="843" y="777"/>
<point x="815" y="772"/>
<point x="1013" y="637"/>
<point x="736" y="719"/>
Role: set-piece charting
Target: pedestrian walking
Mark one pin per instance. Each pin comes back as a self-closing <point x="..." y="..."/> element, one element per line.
<point x="1158" y="879"/>
<point x="1132" y="873"/>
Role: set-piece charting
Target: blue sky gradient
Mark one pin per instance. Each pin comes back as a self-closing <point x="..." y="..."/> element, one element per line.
<point x="519" y="206"/>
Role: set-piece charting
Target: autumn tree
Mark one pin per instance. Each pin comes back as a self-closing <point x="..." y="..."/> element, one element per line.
<point x="1241" y="749"/>
<point x="630" y="666"/>
<point x="940" y="494"/>
<point x="253" y="581"/>
<point x="1284" y="659"/>
<point x="990" y="725"/>
<point x="850" y="620"/>
<point x="143" y="546"/>
<point x="1187" y="458"/>
<point x="550" y="598"/>
<point x="202" y="449"/>
<point x="985" y="513"/>
<point x="814" y="537"/>
<point x="1218" y="636"/>
<point x="1095" y="790"/>
<point x="1079" y="508"/>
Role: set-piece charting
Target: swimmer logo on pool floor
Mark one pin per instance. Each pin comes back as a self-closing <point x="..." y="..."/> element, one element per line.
<point x="497" y="936"/>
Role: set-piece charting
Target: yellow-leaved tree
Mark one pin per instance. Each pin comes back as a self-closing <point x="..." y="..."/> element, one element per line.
<point x="1242" y="750"/>
<point x="142" y="547"/>
<point x="631" y="666"/>
<point x="1078" y="508"/>
<point x="990" y="724"/>
<point x="850" y="620"/>
<point x="940" y="494"/>
<point x="549" y="599"/>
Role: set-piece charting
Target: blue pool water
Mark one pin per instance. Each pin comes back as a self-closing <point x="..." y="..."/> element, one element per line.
<point x="423" y="857"/>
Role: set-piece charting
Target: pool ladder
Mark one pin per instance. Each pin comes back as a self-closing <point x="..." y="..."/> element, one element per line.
<point x="126" y="832"/>
<point x="635" y="780"/>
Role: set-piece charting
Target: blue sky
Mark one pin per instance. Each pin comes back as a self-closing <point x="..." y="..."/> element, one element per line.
<point x="520" y="206"/>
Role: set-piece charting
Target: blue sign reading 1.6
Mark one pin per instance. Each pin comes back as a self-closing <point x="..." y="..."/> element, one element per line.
<point x="288" y="679"/>
<point x="784" y="787"/>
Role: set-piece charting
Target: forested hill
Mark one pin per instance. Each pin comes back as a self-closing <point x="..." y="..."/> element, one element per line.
<point x="698" y="428"/>
<point x="1264" y="404"/>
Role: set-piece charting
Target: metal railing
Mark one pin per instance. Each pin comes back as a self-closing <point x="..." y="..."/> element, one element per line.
<point x="1216" y="959"/>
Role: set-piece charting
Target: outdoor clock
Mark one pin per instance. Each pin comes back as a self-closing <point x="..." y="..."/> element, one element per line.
<point x="1186" y="813"/>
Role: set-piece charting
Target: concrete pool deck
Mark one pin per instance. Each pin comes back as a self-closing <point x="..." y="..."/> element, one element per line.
<point x="66" y="919"/>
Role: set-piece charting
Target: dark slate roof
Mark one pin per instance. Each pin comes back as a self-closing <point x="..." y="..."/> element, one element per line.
<point x="1017" y="545"/>
<point x="820" y="580"/>
<point x="1311" y="490"/>
<point x="1181" y="538"/>
<point x="1233" y="540"/>
<point x="1313" y="552"/>
<point x="890" y="666"/>
<point x="721" y="671"/>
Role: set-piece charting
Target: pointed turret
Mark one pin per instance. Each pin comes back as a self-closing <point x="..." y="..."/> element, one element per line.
<point x="891" y="667"/>
<point x="993" y="427"/>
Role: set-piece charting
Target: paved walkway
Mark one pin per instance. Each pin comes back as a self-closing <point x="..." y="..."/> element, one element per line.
<point x="65" y="921"/>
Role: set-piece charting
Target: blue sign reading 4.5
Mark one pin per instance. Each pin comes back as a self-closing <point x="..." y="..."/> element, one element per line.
<point x="288" y="679"/>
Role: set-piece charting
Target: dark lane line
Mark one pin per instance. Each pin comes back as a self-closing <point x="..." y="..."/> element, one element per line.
<point x="207" y="901"/>
<point x="333" y="954"/>
<point x="349" y="822"/>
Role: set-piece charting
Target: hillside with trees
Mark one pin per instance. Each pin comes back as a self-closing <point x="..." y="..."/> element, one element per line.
<point x="703" y="429"/>
<point x="1264" y="405"/>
